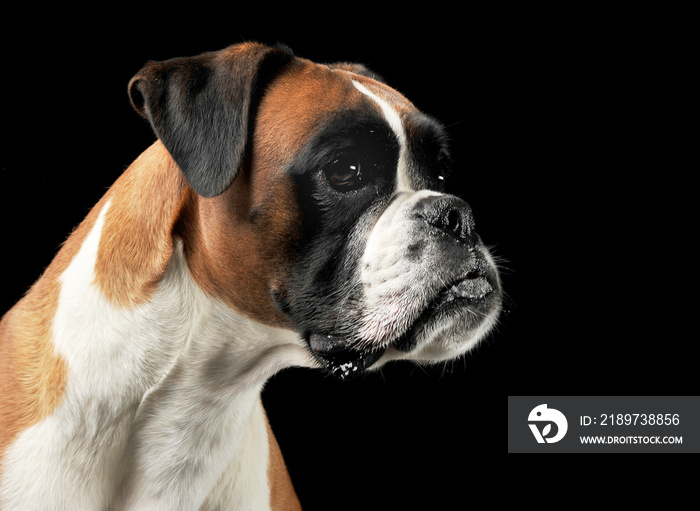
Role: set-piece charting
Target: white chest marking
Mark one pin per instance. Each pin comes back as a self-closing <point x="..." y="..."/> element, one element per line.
<point x="71" y="459"/>
<point x="403" y="182"/>
<point x="159" y="398"/>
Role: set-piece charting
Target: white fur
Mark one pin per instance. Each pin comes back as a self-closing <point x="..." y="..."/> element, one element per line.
<point x="397" y="289"/>
<point x="142" y="425"/>
<point x="162" y="406"/>
<point x="394" y="287"/>
<point x="244" y="485"/>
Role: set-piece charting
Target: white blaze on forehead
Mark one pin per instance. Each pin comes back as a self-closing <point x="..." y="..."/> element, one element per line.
<point x="402" y="181"/>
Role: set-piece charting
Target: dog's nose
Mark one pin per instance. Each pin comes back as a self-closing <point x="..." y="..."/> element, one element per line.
<point x="448" y="213"/>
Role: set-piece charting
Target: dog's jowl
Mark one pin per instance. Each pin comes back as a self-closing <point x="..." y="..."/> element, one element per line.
<point x="289" y="214"/>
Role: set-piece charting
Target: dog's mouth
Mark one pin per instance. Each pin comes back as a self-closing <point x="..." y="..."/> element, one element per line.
<point x="340" y="357"/>
<point x="473" y="288"/>
<point x="471" y="296"/>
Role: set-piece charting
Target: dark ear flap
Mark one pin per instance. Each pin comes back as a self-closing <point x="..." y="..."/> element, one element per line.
<point x="358" y="69"/>
<point x="200" y="108"/>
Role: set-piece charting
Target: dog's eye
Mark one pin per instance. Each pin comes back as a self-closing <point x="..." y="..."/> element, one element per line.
<point x="344" y="173"/>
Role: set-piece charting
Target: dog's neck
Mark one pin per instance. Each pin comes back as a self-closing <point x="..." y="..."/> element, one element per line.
<point x="207" y="402"/>
<point x="164" y="380"/>
<point x="215" y="362"/>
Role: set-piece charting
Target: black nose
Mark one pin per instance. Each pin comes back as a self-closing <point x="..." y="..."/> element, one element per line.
<point x="448" y="213"/>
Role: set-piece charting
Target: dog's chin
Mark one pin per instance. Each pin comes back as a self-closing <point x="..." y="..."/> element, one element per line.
<point x="449" y="325"/>
<point x="446" y="330"/>
<point x="460" y="314"/>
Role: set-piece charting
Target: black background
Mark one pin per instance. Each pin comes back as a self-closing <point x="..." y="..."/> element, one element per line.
<point x="565" y="128"/>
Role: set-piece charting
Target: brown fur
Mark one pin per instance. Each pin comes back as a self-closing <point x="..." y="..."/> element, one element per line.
<point x="241" y="251"/>
<point x="236" y="244"/>
<point x="133" y="252"/>
<point x="32" y="377"/>
<point x="282" y="494"/>
<point x="137" y="242"/>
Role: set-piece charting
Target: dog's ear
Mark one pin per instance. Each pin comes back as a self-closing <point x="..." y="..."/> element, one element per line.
<point x="358" y="69"/>
<point x="200" y="108"/>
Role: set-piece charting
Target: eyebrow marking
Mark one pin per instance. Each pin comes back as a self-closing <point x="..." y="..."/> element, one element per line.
<point x="403" y="183"/>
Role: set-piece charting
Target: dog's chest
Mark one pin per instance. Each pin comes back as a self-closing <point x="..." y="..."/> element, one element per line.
<point x="79" y="456"/>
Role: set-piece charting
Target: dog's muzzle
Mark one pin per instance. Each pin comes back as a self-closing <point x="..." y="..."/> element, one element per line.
<point x="429" y="279"/>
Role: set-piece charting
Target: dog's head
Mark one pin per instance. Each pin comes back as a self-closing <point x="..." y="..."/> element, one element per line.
<point x="320" y="205"/>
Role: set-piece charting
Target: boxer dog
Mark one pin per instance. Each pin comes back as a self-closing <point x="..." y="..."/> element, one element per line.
<point x="289" y="214"/>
